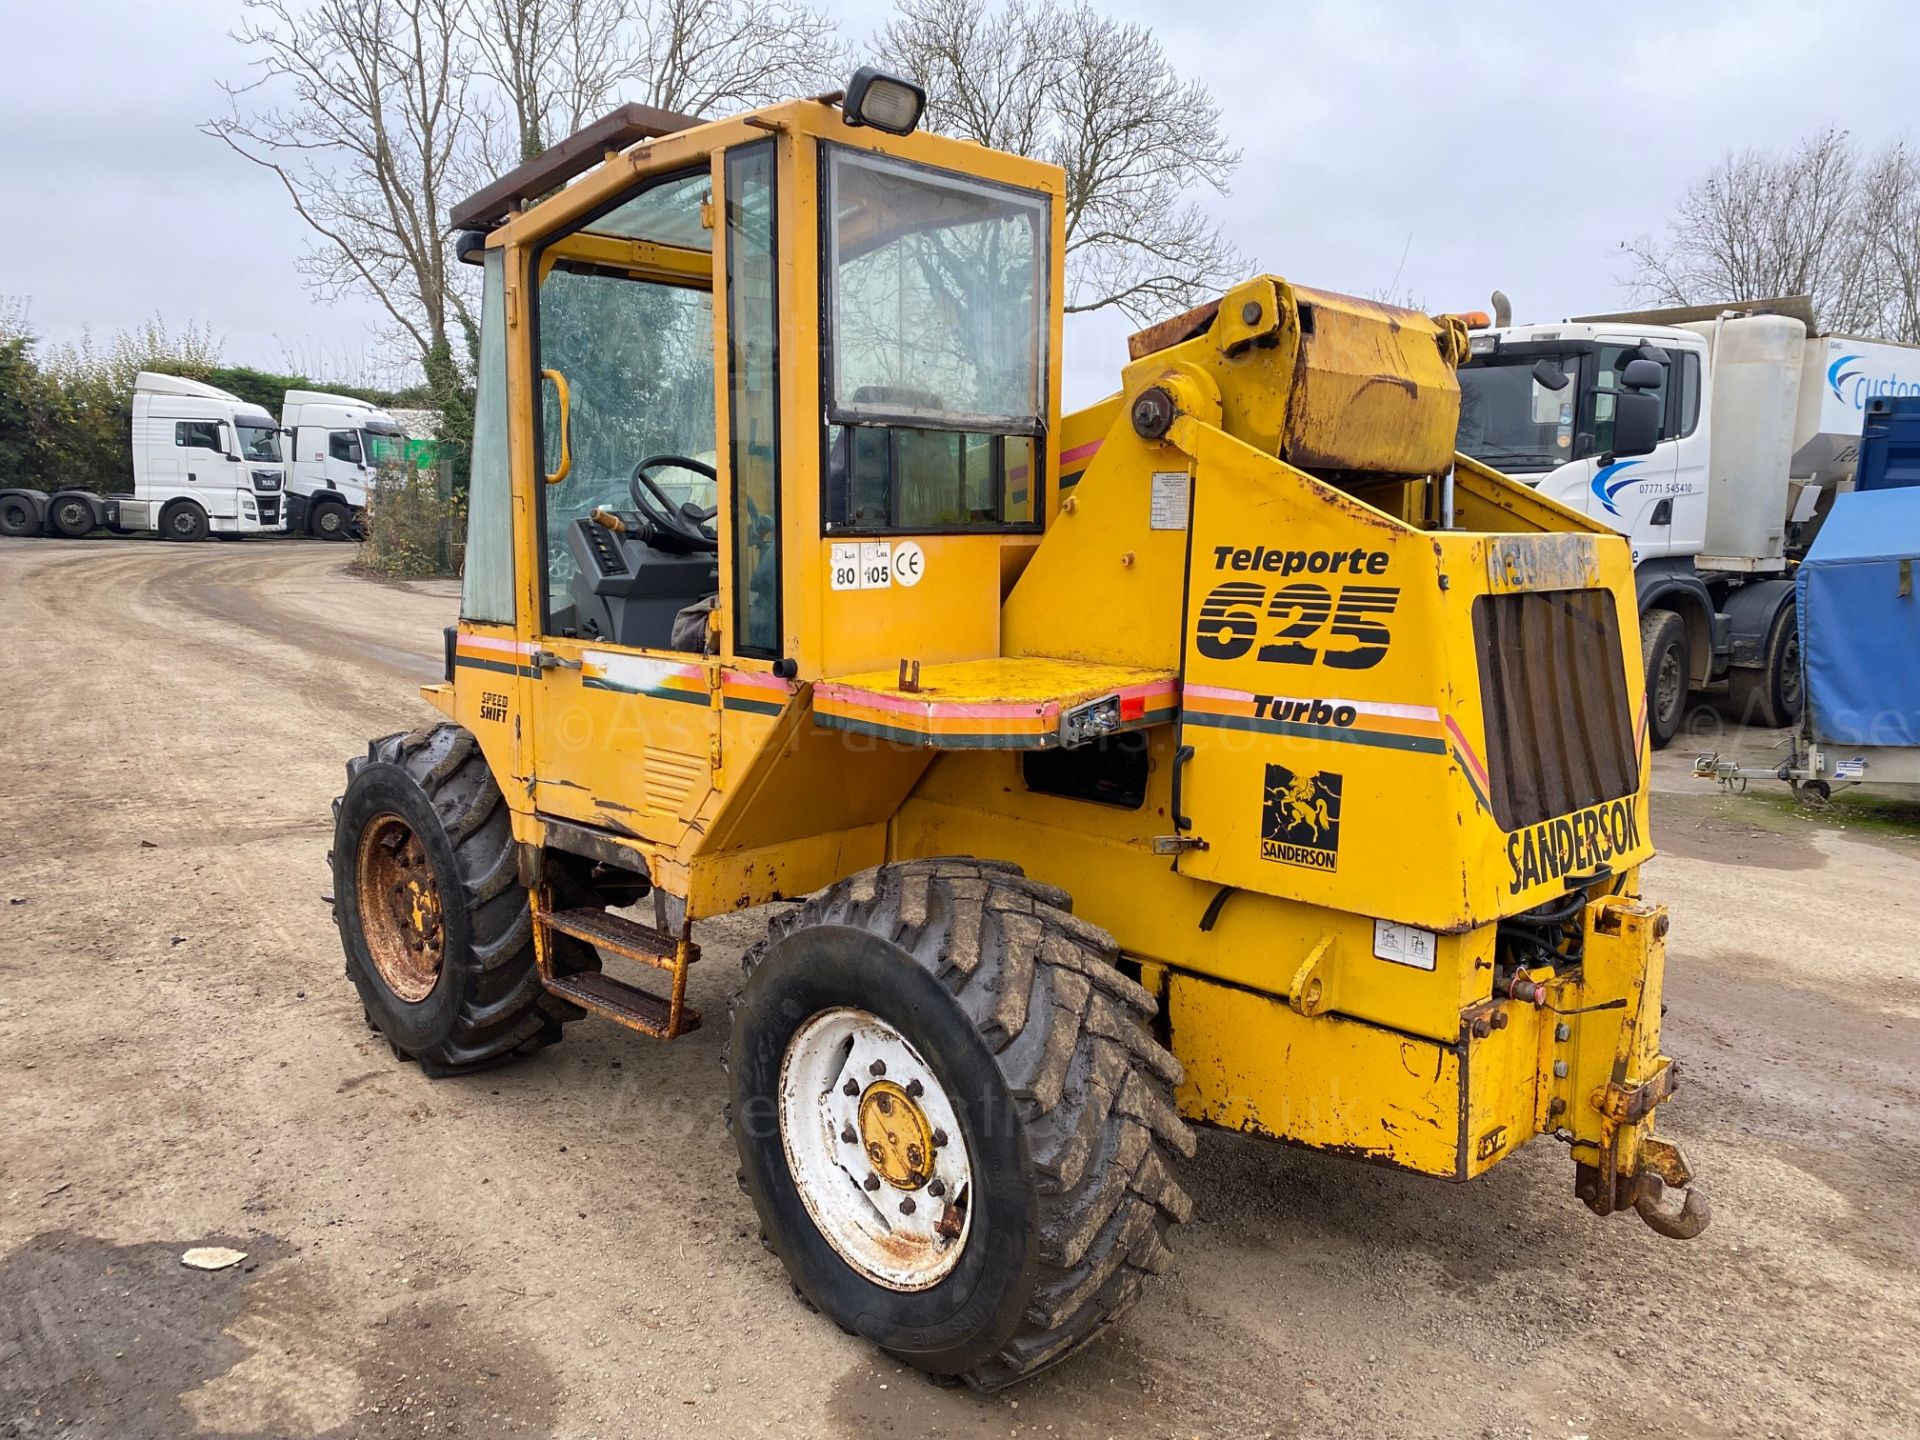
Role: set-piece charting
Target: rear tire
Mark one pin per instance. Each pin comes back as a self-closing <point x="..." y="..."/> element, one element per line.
<point x="1663" y="646"/>
<point x="71" y="517"/>
<point x="184" y="521"/>
<point x="1039" y="1048"/>
<point x="19" y="516"/>
<point x="330" y="521"/>
<point x="1772" y="694"/>
<point x="441" y="947"/>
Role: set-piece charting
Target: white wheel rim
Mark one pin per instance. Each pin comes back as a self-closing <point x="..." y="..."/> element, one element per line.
<point x="897" y="1213"/>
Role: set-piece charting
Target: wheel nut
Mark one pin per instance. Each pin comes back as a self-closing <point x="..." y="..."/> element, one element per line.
<point x="906" y="1206"/>
<point x="936" y="1187"/>
<point x="847" y="1137"/>
<point x="879" y="1067"/>
<point x="939" y="1138"/>
<point x="915" y="1089"/>
<point x="872" y="1182"/>
<point x="850" y="1088"/>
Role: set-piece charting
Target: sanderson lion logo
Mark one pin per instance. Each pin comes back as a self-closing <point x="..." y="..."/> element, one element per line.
<point x="1300" y="819"/>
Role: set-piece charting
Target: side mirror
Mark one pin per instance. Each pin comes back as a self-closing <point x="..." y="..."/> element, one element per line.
<point x="1549" y="376"/>
<point x="233" y="458"/>
<point x="1636" y="419"/>
<point x="1643" y="374"/>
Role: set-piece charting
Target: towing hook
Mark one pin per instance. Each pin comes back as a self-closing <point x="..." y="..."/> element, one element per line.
<point x="1693" y="1216"/>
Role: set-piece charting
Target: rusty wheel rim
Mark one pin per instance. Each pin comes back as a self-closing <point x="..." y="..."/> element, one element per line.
<point x="400" y="908"/>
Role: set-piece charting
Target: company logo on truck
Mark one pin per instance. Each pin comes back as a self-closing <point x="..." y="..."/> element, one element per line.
<point x="1300" y="819"/>
<point x="1855" y="386"/>
<point x="1605" y="486"/>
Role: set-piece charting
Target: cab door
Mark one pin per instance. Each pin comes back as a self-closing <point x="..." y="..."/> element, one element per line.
<point x="1633" y="495"/>
<point x="626" y="706"/>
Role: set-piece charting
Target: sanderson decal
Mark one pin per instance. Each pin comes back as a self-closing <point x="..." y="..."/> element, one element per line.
<point x="1575" y="844"/>
<point x="1300" y="819"/>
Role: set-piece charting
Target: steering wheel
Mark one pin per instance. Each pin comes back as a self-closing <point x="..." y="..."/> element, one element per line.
<point x="686" y="528"/>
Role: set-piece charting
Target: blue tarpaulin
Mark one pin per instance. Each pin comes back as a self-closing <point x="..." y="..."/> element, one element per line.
<point x="1860" y="620"/>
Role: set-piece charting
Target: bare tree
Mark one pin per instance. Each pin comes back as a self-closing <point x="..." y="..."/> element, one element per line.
<point x="1101" y="99"/>
<point x="366" y="112"/>
<point x="1818" y="219"/>
<point x="561" y="63"/>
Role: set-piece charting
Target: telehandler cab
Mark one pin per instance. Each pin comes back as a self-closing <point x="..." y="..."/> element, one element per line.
<point x="1230" y="751"/>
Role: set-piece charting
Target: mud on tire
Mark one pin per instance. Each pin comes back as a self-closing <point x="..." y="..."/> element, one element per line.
<point x="972" y="959"/>
<point x="486" y="1003"/>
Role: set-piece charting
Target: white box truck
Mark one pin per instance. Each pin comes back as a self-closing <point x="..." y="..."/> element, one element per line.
<point x="1759" y="420"/>
<point x="204" y="463"/>
<point x="336" y="443"/>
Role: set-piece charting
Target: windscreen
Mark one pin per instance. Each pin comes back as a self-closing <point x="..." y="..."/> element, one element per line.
<point x="382" y="449"/>
<point x="939" y="295"/>
<point x="258" y="442"/>
<point x="1510" y="421"/>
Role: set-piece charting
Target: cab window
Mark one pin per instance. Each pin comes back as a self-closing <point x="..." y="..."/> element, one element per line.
<point x="936" y="371"/>
<point x="1612" y="361"/>
<point x="344" y="445"/>
<point x="623" y="338"/>
<point x="197" y="434"/>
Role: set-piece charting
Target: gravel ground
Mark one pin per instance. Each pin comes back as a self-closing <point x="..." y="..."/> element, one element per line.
<point x="558" y="1248"/>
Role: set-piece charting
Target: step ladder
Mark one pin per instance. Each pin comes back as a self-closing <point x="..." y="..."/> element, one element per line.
<point x="662" y="1016"/>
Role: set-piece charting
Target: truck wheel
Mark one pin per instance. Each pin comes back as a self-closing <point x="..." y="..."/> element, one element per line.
<point x="71" y="516"/>
<point x="433" y="918"/>
<point x="183" y="520"/>
<point x="331" y="521"/>
<point x="1663" y="645"/>
<point x="19" y="516"/>
<point x="1771" y="695"/>
<point x="952" y="1119"/>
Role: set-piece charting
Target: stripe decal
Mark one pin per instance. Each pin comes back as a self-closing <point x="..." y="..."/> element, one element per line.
<point x="1386" y="740"/>
<point x="1030" y="724"/>
<point x="1414" y="728"/>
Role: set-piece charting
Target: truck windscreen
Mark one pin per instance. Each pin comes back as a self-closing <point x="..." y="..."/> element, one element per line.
<point x="1509" y="420"/>
<point x="259" y="442"/>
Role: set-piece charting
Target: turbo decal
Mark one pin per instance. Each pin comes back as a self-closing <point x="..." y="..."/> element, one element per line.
<point x="1576" y="844"/>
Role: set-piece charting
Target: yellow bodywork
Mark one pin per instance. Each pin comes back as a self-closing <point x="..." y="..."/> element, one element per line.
<point x="1247" y="553"/>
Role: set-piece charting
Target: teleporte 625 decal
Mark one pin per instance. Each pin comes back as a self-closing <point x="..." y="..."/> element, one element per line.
<point x="1302" y="611"/>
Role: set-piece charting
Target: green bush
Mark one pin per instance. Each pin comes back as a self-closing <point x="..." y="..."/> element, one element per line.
<point x="416" y="524"/>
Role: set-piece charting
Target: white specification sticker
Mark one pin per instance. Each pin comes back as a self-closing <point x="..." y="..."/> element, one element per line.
<point x="876" y="564"/>
<point x="844" y="567"/>
<point x="1404" y="944"/>
<point x="1168" y="508"/>
<point x="909" y="563"/>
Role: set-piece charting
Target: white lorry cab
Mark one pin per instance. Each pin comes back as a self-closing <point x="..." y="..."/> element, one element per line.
<point x="204" y="463"/>
<point x="336" y="444"/>
<point x="1714" y="438"/>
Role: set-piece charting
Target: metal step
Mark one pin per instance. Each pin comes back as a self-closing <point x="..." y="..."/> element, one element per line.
<point x="627" y="1004"/>
<point x="620" y="936"/>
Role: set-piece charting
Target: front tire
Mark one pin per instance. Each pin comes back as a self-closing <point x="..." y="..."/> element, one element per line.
<point x="331" y="521"/>
<point x="1663" y="645"/>
<point x="436" y="926"/>
<point x="1029" y="1063"/>
<point x="184" y="521"/>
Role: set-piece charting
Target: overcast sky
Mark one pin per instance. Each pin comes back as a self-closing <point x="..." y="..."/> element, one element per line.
<point x="1495" y="144"/>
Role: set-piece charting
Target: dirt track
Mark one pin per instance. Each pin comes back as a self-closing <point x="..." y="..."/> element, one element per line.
<point x="558" y="1248"/>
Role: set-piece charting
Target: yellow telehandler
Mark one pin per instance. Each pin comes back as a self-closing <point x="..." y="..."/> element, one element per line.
<point x="1228" y="752"/>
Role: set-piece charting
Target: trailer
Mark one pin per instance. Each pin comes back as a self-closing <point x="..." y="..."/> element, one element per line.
<point x="204" y="463"/>
<point x="1760" y="425"/>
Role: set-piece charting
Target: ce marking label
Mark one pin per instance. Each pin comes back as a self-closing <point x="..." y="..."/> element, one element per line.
<point x="875" y="565"/>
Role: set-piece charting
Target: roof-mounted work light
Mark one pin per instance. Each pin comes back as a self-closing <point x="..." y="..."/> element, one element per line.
<point x="886" y="102"/>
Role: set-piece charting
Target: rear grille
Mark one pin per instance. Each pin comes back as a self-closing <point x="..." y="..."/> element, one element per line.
<point x="1559" y="733"/>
